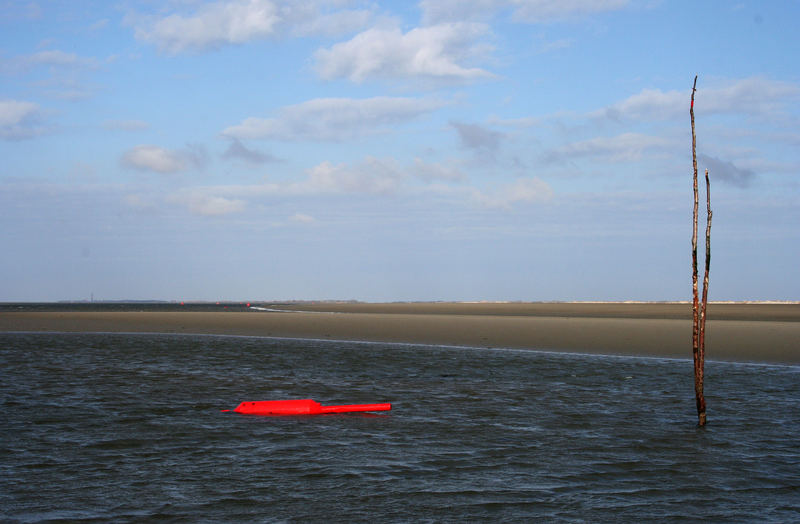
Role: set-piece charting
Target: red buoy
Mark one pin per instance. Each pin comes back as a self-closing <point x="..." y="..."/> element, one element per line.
<point x="302" y="407"/>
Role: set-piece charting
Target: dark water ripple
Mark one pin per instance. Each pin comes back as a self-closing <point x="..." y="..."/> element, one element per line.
<point x="128" y="428"/>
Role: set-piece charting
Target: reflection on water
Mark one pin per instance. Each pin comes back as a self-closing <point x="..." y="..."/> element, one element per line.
<point x="128" y="427"/>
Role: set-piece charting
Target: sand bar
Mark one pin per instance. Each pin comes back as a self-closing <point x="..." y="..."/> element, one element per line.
<point x="741" y="332"/>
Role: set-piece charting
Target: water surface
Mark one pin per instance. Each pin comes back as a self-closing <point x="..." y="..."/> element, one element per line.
<point x="128" y="427"/>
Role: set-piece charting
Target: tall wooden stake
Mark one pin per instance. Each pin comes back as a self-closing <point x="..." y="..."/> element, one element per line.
<point x="701" y="350"/>
<point x="698" y="310"/>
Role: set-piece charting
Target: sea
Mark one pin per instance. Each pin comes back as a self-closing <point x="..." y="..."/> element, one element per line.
<point x="130" y="428"/>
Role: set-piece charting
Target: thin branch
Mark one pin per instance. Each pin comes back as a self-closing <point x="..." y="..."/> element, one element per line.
<point x="708" y="263"/>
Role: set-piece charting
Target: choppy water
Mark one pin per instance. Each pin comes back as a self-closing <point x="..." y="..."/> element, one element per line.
<point x="128" y="428"/>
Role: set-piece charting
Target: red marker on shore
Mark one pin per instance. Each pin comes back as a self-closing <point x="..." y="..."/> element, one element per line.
<point x="302" y="407"/>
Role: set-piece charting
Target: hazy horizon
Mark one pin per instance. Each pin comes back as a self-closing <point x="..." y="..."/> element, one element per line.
<point x="255" y="301"/>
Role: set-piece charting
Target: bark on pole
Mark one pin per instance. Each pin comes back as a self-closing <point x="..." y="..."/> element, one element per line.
<point x="701" y="350"/>
<point x="698" y="316"/>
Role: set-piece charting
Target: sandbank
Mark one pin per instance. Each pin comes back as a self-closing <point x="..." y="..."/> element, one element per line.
<point x="768" y="333"/>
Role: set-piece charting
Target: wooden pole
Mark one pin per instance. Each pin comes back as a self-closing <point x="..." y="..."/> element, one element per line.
<point x="698" y="328"/>
<point x="701" y="350"/>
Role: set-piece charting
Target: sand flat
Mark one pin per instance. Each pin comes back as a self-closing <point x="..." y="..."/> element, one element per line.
<point x="742" y="332"/>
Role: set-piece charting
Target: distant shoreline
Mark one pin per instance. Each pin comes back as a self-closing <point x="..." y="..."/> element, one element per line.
<point x="736" y="331"/>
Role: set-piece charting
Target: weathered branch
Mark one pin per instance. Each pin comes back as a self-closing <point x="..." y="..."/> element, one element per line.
<point x="704" y="302"/>
<point x="695" y="299"/>
<point x="698" y="318"/>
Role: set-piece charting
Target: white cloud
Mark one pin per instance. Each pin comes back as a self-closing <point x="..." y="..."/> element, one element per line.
<point x="532" y="11"/>
<point x="333" y="119"/>
<point x="302" y="218"/>
<point x="751" y="96"/>
<point x="230" y="22"/>
<point x="215" y="206"/>
<point x="59" y="58"/>
<point x="369" y="178"/>
<point x="19" y="120"/>
<point x="213" y="25"/>
<point x="309" y="18"/>
<point x="55" y="60"/>
<point x="437" y="52"/>
<point x="61" y="72"/>
<point x="621" y="148"/>
<point x="554" y="10"/>
<point x="201" y="201"/>
<point x="755" y="95"/>
<point x="649" y="104"/>
<point x="556" y="45"/>
<point x="372" y="176"/>
<point x="522" y="191"/>
<point x="154" y="158"/>
<point x="430" y="172"/>
<point x="12" y="112"/>
<point x="376" y="177"/>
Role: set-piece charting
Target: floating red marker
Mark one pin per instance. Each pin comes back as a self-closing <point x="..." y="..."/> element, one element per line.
<point x="302" y="407"/>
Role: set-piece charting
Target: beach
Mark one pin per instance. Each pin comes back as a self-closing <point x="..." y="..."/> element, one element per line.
<point x="768" y="333"/>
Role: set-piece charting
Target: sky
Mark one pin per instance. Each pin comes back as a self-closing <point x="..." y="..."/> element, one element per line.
<point x="470" y="150"/>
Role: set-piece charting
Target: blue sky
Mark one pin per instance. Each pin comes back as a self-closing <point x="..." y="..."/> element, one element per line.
<point x="390" y="151"/>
